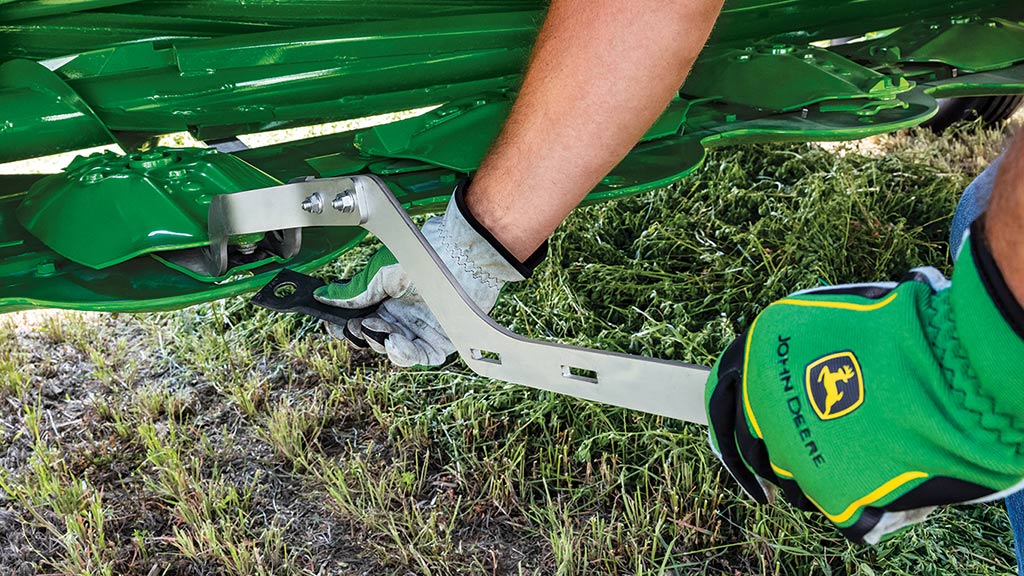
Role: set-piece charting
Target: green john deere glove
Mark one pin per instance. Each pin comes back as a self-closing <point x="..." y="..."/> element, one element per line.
<point x="874" y="403"/>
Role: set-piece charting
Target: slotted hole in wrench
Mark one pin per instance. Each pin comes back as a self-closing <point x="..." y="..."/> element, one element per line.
<point x="486" y="356"/>
<point x="580" y="374"/>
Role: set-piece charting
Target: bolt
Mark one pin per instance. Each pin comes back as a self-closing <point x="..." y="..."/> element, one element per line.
<point x="314" y="204"/>
<point x="344" y="203"/>
<point x="44" y="269"/>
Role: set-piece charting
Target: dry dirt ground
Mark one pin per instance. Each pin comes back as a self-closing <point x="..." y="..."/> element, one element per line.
<point x="99" y="413"/>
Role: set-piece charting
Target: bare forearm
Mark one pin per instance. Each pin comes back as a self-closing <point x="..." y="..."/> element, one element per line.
<point x="1004" y="221"/>
<point x="601" y="73"/>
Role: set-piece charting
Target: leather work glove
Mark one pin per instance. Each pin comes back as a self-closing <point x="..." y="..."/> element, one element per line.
<point x="402" y="326"/>
<point x="875" y="403"/>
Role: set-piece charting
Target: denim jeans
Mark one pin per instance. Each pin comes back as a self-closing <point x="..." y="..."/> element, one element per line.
<point x="972" y="204"/>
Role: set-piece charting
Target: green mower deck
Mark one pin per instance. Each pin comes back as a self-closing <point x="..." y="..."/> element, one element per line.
<point x="128" y="233"/>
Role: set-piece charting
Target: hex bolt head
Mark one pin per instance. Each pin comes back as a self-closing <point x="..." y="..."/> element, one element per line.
<point x="314" y="204"/>
<point x="344" y="203"/>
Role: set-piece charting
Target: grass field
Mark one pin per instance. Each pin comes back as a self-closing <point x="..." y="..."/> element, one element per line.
<point x="223" y="440"/>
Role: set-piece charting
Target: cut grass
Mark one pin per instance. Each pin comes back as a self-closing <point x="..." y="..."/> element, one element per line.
<point x="224" y="440"/>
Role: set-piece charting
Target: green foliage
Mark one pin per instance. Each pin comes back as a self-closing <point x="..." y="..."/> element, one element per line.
<point x="675" y="273"/>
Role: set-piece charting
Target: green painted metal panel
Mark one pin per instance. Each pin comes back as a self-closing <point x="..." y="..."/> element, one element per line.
<point x="741" y="20"/>
<point x="970" y="44"/>
<point x="782" y="77"/>
<point x="57" y="36"/>
<point x="297" y="13"/>
<point x="25" y="9"/>
<point x="803" y="21"/>
<point x="42" y="115"/>
<point x="458" y="134"/>
<point x="254" y="82"/>
<point x="108" y="208"/>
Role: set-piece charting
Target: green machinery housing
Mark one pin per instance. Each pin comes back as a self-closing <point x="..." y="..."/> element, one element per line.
<point x="117" y="232"/>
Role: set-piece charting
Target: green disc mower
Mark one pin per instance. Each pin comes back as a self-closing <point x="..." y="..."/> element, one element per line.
<point x="131" y="232"/>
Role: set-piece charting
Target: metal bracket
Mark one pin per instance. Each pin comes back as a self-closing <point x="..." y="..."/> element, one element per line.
<point x="672" y="389"/>
<point x="291" y="291"/>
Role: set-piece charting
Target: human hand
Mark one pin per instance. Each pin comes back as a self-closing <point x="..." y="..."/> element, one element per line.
<point x="874" y="403"/>
<point x="402" y="326"/>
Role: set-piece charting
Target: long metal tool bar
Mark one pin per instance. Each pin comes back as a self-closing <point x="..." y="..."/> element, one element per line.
<point x="666" y="388"/>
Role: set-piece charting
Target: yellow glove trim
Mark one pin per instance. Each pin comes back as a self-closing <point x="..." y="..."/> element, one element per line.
<point x="746" y="370"/>
<point x="782" y="472"/>
<point x="839" y="305"/>
<point x="875" y="495"/>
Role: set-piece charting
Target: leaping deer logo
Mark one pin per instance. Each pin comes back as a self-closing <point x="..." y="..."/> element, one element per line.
<point x="835" y="384"/>
<point x="830" y="381"/>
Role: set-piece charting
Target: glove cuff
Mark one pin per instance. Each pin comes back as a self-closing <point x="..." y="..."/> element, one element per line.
<point x="990" y="326"/>
<point x="525" y="268"/>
